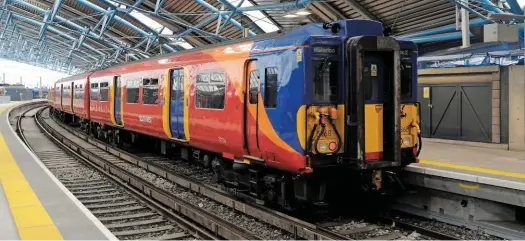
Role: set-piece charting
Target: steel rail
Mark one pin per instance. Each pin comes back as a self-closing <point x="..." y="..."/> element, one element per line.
<point x="300" y="229"/>
<point x="166" y="203"/>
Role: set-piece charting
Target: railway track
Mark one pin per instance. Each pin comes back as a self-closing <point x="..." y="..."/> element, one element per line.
<point x="299" y="229"/>
<point x="128" y="214"/>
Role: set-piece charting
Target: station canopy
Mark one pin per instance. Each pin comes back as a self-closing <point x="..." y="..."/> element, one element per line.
<point x="75" y="36"/>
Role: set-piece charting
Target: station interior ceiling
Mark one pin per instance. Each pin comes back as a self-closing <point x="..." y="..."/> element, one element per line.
<point x="75" y="36"/>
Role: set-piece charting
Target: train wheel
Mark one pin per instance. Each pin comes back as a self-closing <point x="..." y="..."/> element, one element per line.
<point x="116" y="141"/>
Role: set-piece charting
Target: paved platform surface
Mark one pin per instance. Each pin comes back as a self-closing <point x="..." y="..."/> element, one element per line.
<point x="33" y="203"/>
<point x="481" y="162"/>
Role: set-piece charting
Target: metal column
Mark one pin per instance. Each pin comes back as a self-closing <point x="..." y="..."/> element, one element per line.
<point x="465" y="27"/>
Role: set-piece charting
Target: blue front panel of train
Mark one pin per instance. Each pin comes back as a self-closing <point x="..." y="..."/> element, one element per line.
<point x="291" y="54"/>
<point x="290" y="66"/>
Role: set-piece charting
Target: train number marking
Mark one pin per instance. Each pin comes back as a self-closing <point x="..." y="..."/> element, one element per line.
<point x="328" y="133"/>
<point x="146" y="119"/>
<point x="405" y="128"/>
<point x="222" y="140"/>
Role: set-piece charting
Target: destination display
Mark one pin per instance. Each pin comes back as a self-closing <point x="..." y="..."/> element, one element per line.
<point x="325" y="50"/>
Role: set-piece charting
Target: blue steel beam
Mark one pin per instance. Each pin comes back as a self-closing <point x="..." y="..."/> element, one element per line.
<point x="444" y="29"/>
<point x="54" y="30"/>
<point x="233" y="12"/>
<point x="287" y="5"/>
<point x="122" y="21"/>
<point x="515" y="7"/>
<point x="92" y="35"/>
<point x="439" y="37"/>
<point x="49" y="16"/>
<point x="8" y="23"/>
<point x="200" y="25"/>
<point x="35" y="43"/>
<point x="4" y="6"/>
<point x="165" y="18"/>
<point x="462" y="5"/>
<point x="158" y="5"/>
<point x="108" y="17"/>
<point x="221" y="13"/>
<point x="58" y="42"/>
<point x="63" y="20"/>
<point x="489" y="6"/>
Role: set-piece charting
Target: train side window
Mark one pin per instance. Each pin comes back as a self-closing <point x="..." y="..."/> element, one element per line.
<point x="150" y="91"/>
<point x="210" y="90"/>
<point x="66" y="92"/>
<point x="81" y="92"/>
<point x="75" y="92"/>
<point x="94" y="91"/>
<point x="406" y="79"/>
<point x="177" y="78"/>
<point x="254" y="86"/>
<point x="104" y="91"/>
<point x="132" y="91"/>
<point x="270" y="87"/>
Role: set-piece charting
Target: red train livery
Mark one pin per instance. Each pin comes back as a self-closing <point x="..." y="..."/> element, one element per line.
<point x="285" y="118"/>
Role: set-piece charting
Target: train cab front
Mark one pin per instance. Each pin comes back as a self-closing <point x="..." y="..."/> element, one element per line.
<point x="364" y="115"/>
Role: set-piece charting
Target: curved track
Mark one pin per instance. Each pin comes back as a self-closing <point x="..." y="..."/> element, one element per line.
<point x="125" y="213"/>
<point x="297" y="228"/>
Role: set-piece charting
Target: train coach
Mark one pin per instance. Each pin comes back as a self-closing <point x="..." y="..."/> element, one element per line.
<point x="285" y="118"/>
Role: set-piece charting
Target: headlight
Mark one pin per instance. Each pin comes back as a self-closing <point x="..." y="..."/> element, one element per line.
<point x="406" y="141"/>
<point x="323" y="146"/>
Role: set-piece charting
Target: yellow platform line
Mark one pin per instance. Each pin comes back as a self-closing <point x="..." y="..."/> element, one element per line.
<point x="31" y="218"/>
<point x="473" y="169"/>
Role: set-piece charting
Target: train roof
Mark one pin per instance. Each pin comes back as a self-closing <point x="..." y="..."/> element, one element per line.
<point x="295" y="37"/>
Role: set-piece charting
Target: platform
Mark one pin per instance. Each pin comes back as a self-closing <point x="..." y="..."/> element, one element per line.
<point x="482" y="172"/>
<point x="33" y="203"/>
<point x="481" y="161"/>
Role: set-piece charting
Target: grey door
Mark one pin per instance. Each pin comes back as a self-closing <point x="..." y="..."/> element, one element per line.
<point x="456" y="111"/>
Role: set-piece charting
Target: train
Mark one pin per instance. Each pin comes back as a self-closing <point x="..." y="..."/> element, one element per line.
<point x="286" y="118"/>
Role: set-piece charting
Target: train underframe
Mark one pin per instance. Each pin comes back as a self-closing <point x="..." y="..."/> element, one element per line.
<point x="327" y="185"/>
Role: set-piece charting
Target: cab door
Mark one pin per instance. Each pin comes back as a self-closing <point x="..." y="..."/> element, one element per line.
<point x="177" y="104"/>
<point x="251" y="107"/>
<point x="118" y="100"/>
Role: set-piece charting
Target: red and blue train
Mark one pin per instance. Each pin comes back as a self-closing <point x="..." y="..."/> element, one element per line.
<point x="286" y="118"/>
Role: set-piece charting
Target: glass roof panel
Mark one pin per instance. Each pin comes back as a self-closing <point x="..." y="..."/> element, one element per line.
<point x="257" y="17"/>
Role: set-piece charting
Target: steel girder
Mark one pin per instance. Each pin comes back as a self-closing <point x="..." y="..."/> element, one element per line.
<point x="88" y="43"/>
<point x="449" y="32"/>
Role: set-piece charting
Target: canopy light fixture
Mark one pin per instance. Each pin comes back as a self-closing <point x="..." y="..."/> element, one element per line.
<point x="303" y="12"/>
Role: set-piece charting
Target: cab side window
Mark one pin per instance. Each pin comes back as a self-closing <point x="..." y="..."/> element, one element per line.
<point x="270" y="87"/>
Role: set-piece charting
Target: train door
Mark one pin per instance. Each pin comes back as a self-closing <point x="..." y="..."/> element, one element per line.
<point x="374" y="101"/>
<point x="251" y="109"/>
<point x="177" y="104"/>
<point x="117" y="83"/>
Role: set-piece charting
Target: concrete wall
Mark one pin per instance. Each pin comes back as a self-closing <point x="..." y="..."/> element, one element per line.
<point x="5" y="99"/>
<point x="516" y="107"/>
<point x="19" y="94"/>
